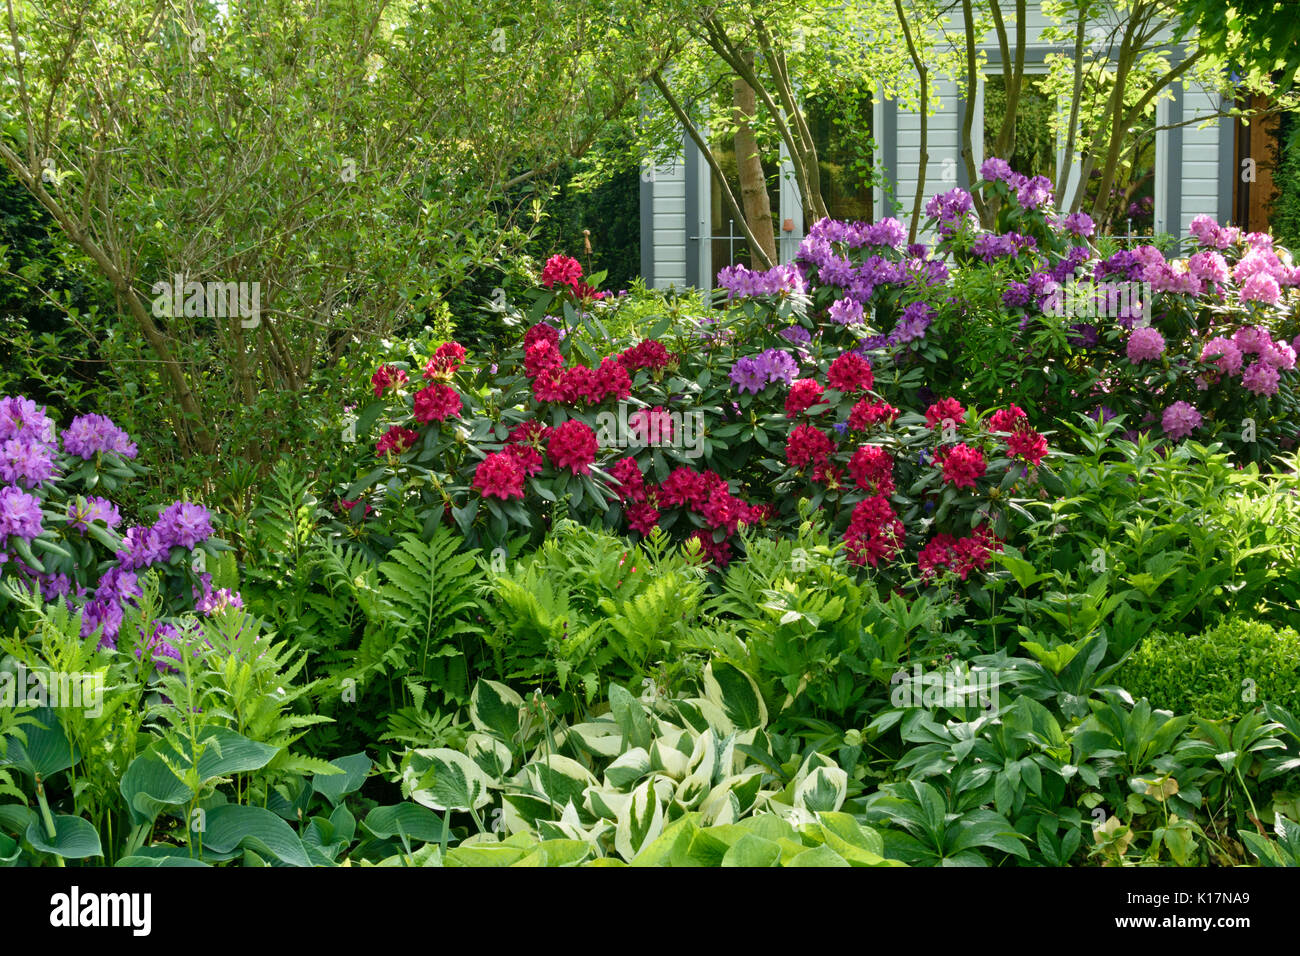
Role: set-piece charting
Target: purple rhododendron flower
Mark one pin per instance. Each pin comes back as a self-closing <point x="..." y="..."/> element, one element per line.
<point x="83" y="511"/>
<point x="89" y="434"/>
<point x="20" y="514"/>
<point x="184" y="524"/>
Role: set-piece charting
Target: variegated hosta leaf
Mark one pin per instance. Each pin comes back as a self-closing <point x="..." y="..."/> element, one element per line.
<point x="601" y="738"/>
<point x="605" y="802"/>
<point x="490" y="753"/>
<point x="561" y="779"/>
<point x="702" y="715"/>
<point x="736" y="693"/>
<point x="641" y="821"/>
<point x="823" y="789"/>
<point x="495" y="707"/>
<point x="444" y="779"/>
<point x="630" y="716"/>
<point x="744" y="787"/>
<point x="667" y="755"/>
<point x="571" y="827"/>
<point x="664" y="787"/>
<point x="628" y="768"/>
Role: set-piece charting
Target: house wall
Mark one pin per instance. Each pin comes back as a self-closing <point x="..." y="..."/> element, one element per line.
<point x="1194" y="165"/>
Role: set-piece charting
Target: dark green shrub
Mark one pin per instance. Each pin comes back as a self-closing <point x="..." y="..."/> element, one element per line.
<point x="1222" y="672"/>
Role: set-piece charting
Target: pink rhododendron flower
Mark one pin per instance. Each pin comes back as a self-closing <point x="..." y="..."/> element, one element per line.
<point x="1145" y="344"/>
<point x="1180" y="419"/>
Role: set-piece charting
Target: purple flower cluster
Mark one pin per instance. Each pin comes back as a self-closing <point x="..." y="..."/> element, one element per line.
<point x="797" y="335"/>
<point x="27" y="444"/>
<point x="992" y="246"/>
<point x="1031" y="192"/>
<point x="951" y="210"/>
<point x="20" y="514"/>
<point x="846" y="311"/>
<point x="85" y="510"/>
<point x="212" y="602"/>
<point x="887" y="232"/>
<point x="91" y="434"/>
<point x="754" y="373"/>
<point x="1079" y="224"/>
<point x="741" y="282"/>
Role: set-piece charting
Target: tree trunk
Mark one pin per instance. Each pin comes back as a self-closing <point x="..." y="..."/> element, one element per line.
<point x="749" y="169"/>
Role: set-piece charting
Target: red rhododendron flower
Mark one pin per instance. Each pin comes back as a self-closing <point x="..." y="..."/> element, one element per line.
<point x="1008" y="419"/>
<point x="647" y="354"/>
<point x="396" y="439"/>
<point x="612" y="380"/>
<point x="561" y="270"/>
<point x="945" y="409"/>
<point x="807" y="444"/>
<point x="875" y="532"/>
<point x="500" y="475"/>
<point x="548" y="387"/>
<point x="631" y="482"/>
<point x="686" y="486"/>
<point x="541" y="332"/>
<point x="867" y="413"/>
<point x="1027" y="444"/>
<point x="386" y="377"/>
<point x="642" y="518"/>
<point x="531" y="432"/>
<point x="962" y="465"/>
<point x="959" y="555"/>
<point x="724" y="510"/>
<point x="572" y="445"/>
<point x="850" y="372"/>
<point x="435" y="403"/>
<point x="446" y="360"/>
<point x="824" y="473"/>
<point x="719" y="552"/>
<point x="804" y="393"/>
<point x="873" y="470"/>
<point x="579" y="383"/>
<point x="651" y="426"/>
<point x="542" y="356"/>
<point x="529" y="458"/>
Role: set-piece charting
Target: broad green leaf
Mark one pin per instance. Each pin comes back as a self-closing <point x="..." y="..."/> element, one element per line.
<point x="252" y="828"/>
<point x="335" y="787"/>
<point x="495" y="707"/>
<point x="446" y="780"/>
<point x="751" y="850"/>
<point x="74" y="838"/>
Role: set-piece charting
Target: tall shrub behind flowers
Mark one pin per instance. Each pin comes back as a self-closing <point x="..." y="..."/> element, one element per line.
<point x="62" y="532"/>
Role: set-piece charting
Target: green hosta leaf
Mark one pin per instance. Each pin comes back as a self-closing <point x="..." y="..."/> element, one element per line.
<point x="558" y="853"/>
<point x="47" y="750"/>
<point x="640" y="822"/>
<point x="74" y="838"/>
<point x="149" y="787"/>
<point x="484" y="855"/>
<point x="10" y="851"/>
<point x="226" y="752"/>
<point x="446" y="780"/>
<point x="157" y="861"/>
<point x="405" y="819"/>
<point x="736" y="693"/>
<point x="822" y="790"/>
<point x="495" y="707"/>
<point x="335" y="787"/>
<point x="817" y="856"/>
<point x="753" y="850"/>
<point x="233" y="826"/>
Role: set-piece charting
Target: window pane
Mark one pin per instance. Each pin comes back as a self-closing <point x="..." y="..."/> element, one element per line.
<point x="1035" y="149"/>
<point x="842" y="130"/>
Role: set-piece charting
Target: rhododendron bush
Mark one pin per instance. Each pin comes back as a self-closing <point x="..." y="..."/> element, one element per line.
<point x="61" y="531"/>
<point x="703" y="427"/>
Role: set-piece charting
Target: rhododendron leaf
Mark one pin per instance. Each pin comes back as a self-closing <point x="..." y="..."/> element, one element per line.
<point x="365" y="483"/>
